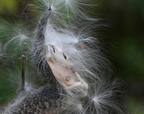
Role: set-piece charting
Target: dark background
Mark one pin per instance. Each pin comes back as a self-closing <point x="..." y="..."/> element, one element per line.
<point x="120" y="30"/>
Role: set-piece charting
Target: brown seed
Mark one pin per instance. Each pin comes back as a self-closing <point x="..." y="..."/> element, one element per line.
<point x="53" y="48"/>
<point x="65" y="56"/>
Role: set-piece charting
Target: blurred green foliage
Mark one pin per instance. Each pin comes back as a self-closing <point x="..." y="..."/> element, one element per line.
<point x="123" y="34"/>
<point x="10" y="5"/>
<point x="134" y="106"/>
